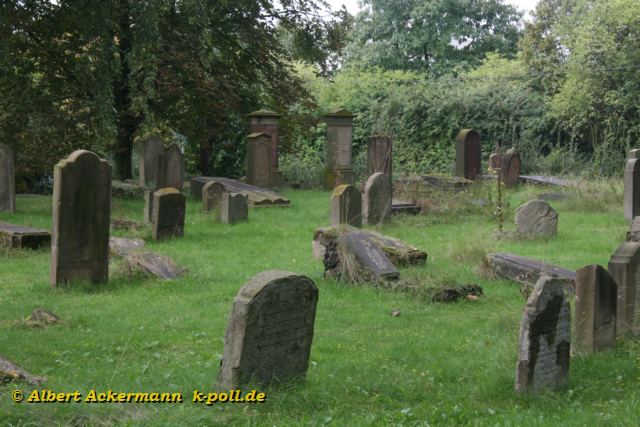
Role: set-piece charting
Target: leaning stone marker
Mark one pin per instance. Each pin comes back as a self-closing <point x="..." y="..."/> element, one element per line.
<point x="167" y="217"/>
<point x="171" y="168"/>
<point x="7" y="180"/>
<point x="468" y="150"/>
<point x="259" y="160"/>
<point x="379" y="155"/>
<point x="233" y="208"/>
<point x="377" y="199"/>
<point x="595" y="322"/>
<point x="369" y="255"/>
<point x="121" y="246"/>
<point x="346" y="206"/>
<point x="624" y="266"/>
<point x="152" y="264"/>
<point x="270" y="330"/>
<point x="536" y="219"/>
<point x="211" y="195"/>
<point x="510" y="168"/>
<point x="81" y="210"/>
<point x="632" y="186"/>
<point x="545" y="339"/>
<point x="149" y="155"/>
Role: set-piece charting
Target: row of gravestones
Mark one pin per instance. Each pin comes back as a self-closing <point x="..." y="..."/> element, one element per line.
<point x="349" y="206"/>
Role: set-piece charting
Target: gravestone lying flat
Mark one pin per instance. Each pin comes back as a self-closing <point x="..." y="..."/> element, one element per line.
<point x="368" y="254"/>
<point x="122" y="246"/>
<point x="258" y="197"/>
<point x="402" y="207"/>
<point x="536" y="219"/>
<point x="20" y="237"/>
<point x="152" y="264"/>
<point x="527" y="270"/>
<point x="270" y="330"/>
<point x="545" y="339"/>
<point x="545" y="180"/>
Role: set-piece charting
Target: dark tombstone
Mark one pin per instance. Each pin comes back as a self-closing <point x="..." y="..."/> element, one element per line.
<point x="339" y="140"/>
<point x="536" y="219"/>
<point x="171" y="168"/>
<point x="369" y="254"/>
<point x="211" y="195"/>
<point x="346" y="206"/>
<point x="167" y="216"/>
<point x="377" y="199"/>
<point x="149" y="155"/>
<point x="595" y="322"/>
<point x="379" y="155"/>
<point x="468" y="151"/>
<point x="196" y="184"/>
<point x="632" y="186"/>
<point x="7" y="180"/>
<point x="545" y="339"/>
<point x="259" y="160"/>
<point x="510" y="169"/>
<point x="81" y="210"/>
<point x="270" y="331"/>
<point x="20" y="237"/>
<point x="495" y="162"/>
<point x="265" y="121"/>
<point x="624" y="268"/>
<point x="233" y="208"/>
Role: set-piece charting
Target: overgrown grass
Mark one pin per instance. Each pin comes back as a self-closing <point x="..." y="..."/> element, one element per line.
<point x="435" y="364"/>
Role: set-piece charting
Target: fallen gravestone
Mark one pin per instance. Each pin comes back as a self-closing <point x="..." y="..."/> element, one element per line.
<point x="41" y="318"/>
<point x="367" y="254"/>
<point x="633" y="234"/>
<point x="149" y="156"/>
<point x="624" y="267"/>
<point x="20" y="237"/>
<point x="545" y="339"/>
<point x="452" y="294"/>
<point x="258" y="197"/>
<point x="233" y="208"/>
<point x="9" y="371"/>
<point x="339" y="137"/>
<point x="536" y="219"/>
<point x="152" y="264"/>
<point x="406" y="208"/>
<point x="545" y="180"/>
<point x="7" y="180"/>
<point x="346" y="206"/>
<point x="167" y="216"/>
<point x="632" y="186"/>
<point x="468" y="150"/>
<point x="121" y="246"/>
<point x="376" y="207"/>
<point x="510" y="168"/>
<point x="211" y="195"/>
<point x="270" y="330"/>
<point x="527" y="270"/>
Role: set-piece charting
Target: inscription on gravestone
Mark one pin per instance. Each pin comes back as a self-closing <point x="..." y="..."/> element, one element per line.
<point x="7" y="180"/>
<point x="265" y="121"/>
<point x="171" y="168"/>
<point x="339" y="141"/>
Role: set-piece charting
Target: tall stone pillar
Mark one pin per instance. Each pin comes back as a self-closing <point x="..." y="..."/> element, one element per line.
<point x="338" y="168"/>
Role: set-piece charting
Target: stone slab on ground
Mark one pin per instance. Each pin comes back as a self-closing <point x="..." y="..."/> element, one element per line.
<point x="545" y="180"/>
<point x="258" y="197"/>
<point x="153" y="264"/>
<point x="527" y="270"/>
<point x="21" y="237"/>
<point x="402" y="207"/>
<point x="369" y="255"/>
<point x="122" y="246"/>
<point x="9" y="371"/>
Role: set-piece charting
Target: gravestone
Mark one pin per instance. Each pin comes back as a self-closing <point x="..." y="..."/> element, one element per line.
<point x="259" y="160"/>
<point x="149" y="155"/>
<point x="81" y="210"/>
<point x="171" y="168"/>
<point x="7" y="180"/>
<point x="196" y="184"/>
<point x="258" y="197"/>
<point x="21" y="237"/>
<point x="152" y="264"/>
<point x="632" y="186"/>
<point x="545" y="339"/>
<point x="468" y="150"/>
<point x="510" y="169"/>
<point x="536" y="219"/>
<point x="339" y="141"/>
<point x="233" y="208"/>
<point x="624" y="268"/>
<point x="265" y="121"/>
<point x="167" y="216"/>
<point x="495" y="162"/>
<point x="211" y="195"/>
<point x="270" y="330"/>
<point x="377" y="199"/>
<point x="633" y="234"/>
<point x="121" y="246"/>
<point x="595" y="322"/>
<point x="346" y="206"/>
<point x="369" y="255"/>
<point x="528" y="270"/>
<point x="379" y="155"/>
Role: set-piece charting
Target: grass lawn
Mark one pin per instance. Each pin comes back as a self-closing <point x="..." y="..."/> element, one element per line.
<point x="435" y="364"/>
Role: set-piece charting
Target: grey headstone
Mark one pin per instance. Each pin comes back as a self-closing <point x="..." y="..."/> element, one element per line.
<point x="510" y="169"/>
<point x="369" y="254"/>
<point x="122" y="246"/>
<point x="81" y="210"/>
<point x="339" y="145"/>
<point x="171" y="168"/>
<point x="167" y="217"/>
<point x="259" y="160"/>
<point x="7" y="180"/>
<point x="545" y="339"/>
<point x="468" y="151"/>
<point x="377" y="199"/>
<point x="149" y="154"/>
<point x="346" y="206"/>
<point x="632" y="186"/>
<point x="211" y="195"/>
<point x="535" y="219"/>
<point x="379" y="157"/>
<point x="624" y="267"/>
<point x="270" y="330"/>
<point x="233" y="208"/>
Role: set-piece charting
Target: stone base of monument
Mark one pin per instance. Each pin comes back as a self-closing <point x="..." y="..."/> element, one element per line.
<point x="335" y="177"/>
<point x="20" y="237"/>
<point x="527" y="270"/>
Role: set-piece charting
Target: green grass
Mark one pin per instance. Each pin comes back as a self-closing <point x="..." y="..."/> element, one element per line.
<point x="442" y="364"/>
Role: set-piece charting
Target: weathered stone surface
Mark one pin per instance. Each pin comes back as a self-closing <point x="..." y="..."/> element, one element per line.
<point x="346" y="206"/>
<point x="152" y="264"/>
<point x="379" y="158"/>
<point x="259" y="160"/>
<point x="265" y="121"/>
<point x="377" y="199"/>
<point x="170" y="168"/>
<point x="125" y="224"/>
<point x="595" y="322"/>
<point x="632" y="186"/>
<point x="121" y="246"/>
<point x="41" y="318"/>
<point x="510" y="169"/>
<point x="81" y="210"/>
<point x="545" y="339"/>
<point x="149" y="156"/>
<point x="126" y="190"/>
<point x="167" y="217"/>
<point x="20" y="237"/>
<point x="258" y="197"/>
<point x="369" y="255"/>
<point x="495" y="162"/>
<point x="402" y="207"/>
<point x="546" y="180"/>
<point x="633" y="234"/>
<point x="233" y="208"/>
<point x="339" y="143"/>
<point x="624" y="267"/>
<point x="211" y="195"/>
<point x="536" y="219"/>
<point x="9" y="371"/>
<point x="468" y="151"/>
<point x="270" y="330"/>
<point x="527" y="270"/>
<point x="7" y="180"/>
<point x="196" y="184"/>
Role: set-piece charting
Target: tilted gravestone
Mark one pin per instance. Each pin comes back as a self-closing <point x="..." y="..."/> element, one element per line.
<point x="495" y="162"/>
<point x="595" y="318"/>
<point x="545" y="339"/>
<point x="536" y="219"/>
<point x="510" y="168"/>
<point x="468" y="151"/>
<point x="377" y="199"/>
<point x="211" y="195"/>
<point x="632" y="186"/>
<point x="339" y="141"/>
<point x="234" y="207"/>
<point x="81" y="211"/>
<point x="624" y="267"/>
<point x="7" y="180"/>
<point x="369" y="255"/>
<point x="167" y="217"/>
<point x="149" y="154"/>
<point x="379" y="158"/>
<point x="270" y="330"/>
<point x="171" y="168"/>
<point x="259" y="160"/>
<point x="265" y="121"/>
<point x="346" y="206"/>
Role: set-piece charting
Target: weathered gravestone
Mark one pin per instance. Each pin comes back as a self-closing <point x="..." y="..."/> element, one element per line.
<point x="7" y="180"/>
<point x="20" y="237"/>
<point x="369" y="255"/>
<point x="265" y="121"/>
<point x="510" y="168"/>
<point x="624" y="267"/>
<point x="377" y="199"/>
<point x="258" y="197"/>
<point x="81" y="210"/>
<point x="121" y="246"/>
<point x="171" y="168"/>
<point x="211" y="195"/>
<point x="633" y="234"/>
<point x="495" y="162"/>
<point x="536" y="219"/>
<point x="270" y="330"/>
<point x="259" y="160"/>
<point x="595" y="318"/>
<point x="528" y="270"/>
<point x="379" y="155"/>
<point x="149" y="155"/>
<point x="152" y="264"/>
<point x="545" y="339"/>
<point x="346" y="206"/>
<point x="233" y="208"/>
<point x="339" y="139"/>
<point x="632" y="186"/>
<point x="468" y="150"/>
<point x="167" y="217"/>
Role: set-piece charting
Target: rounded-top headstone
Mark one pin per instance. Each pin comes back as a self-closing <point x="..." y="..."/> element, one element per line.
<point x="377" y="199"/>
<point x="468" y="152"/>
<point x="212" y="195"/>
<point x="536" y="218"/>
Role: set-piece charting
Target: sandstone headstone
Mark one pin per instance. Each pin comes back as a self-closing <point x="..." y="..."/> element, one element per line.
<point x="167" y="217"/>
<point x="346" y="206"/>
<point x="233" y="208"/>
<point x="211" y="195"/>
<point x="7" y="180"/>
<point x="81" y="210"/>
<point x="122" y="246"/>
<point x="545" y="339"/>
<point x="536" y="219"/>
<point x="270" y="330"/>
<point x="259" y="160"/>
<point x="152" y="264"/>
<point x="632" y="185"/>
<point x="595" y="318"/>
<point x="379" y="155"/>
<point x="624" y="267"/>
<point x="171" y="168"/>
<point x="377" y="199"/>
<point x="468" y="151"/>
<point x="149" y="155"/>
<point x="265" y="121"/>
<point x="369" y="255"/>
<point x="339" y="141"/>
<point x="510" y="169"/>
<point x="495" y="161"/>
<point x="20" y="237"/>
